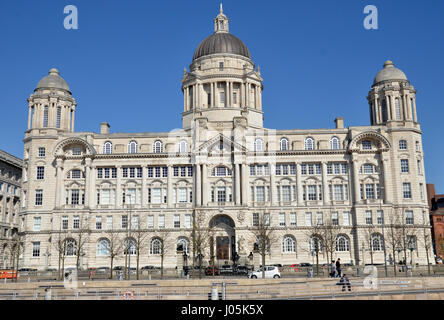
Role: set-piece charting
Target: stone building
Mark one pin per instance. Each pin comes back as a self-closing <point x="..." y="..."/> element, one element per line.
<point x="436" y="207"/>
<point x="224" y="167"/>
<point x="10" y="191"/>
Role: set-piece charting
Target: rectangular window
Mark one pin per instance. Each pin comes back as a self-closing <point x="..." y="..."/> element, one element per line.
<point x="418" y="164"/>
<point x="292" y="169"/>
<point x="278" y="170"/>
<point x="76" y="222"/>
<point x="311" y="192"/>
<point x="182" y="194"/>
<point x="156" y="195"/>
<point x="37" y="224"/>
<point x="41" y="152"/>
<point x="135" y="222"/>
<point x="259" y="170"/>
<point x="65" y="223"/>
<point x="45" y="116"/>
<point x="409" y="217"/>
<point x="161" y="221"/>
<point x="76" y="151"/>
<point x="132" y="172"/>
<point x="38" y="197"/>
<point x="125" y="172"/>
<point x="109" y="222"/>
<point x="368" y="217"/>
<point x="421" y="191"/>
<point x="303" y="169"/>
<point x="150" y="172"/>
<point x="188" y="221"/>
<point x="255" y="219"/>
<point x="335" y="219"/>
<point x="308" y="219"/>
<point x="267" y="219"/>
<point x="183" y="171"/>
<point x="114" y="173"/>
<point x="75" y="196"/>
<point x="59" y="117"/>
<point x="124" y="222"/>
<point x="318" y="168"/>
<point x="407" y="191"/>
<point x="139" y="172"/>
<point x="106" y="173"/>
<point x="344" y="168"/>
<point x="190" y="171"/>
<point x="310" y="169"/>
<point x="402" y="145"/>
<point x="337" y="168"/>
<point x="319" y="219"/>
<point x="150" y="222"/>
<point x="176" y="221"/>
<point x="40" y="173"/>
<point x="366" y="145"/>
<point x="293" y="221"/>
<point x="286" y="193"/>
<point x="329" y="168"/>
<point x="221" y="194"/>
<point x="36" y="249"/>
<point x="282" y="219"/>
<point x="404" y="165"/>
<point x="260" y="194"/>
<point x="346" y="218"/>
<point x="285" y="170"/>
<point x="370" y="191"/>
<point x="98" y="222"/>
<point x="99" y="173"/>
<point x="379" y="217"/>
<point x="339" y="195"/>
<point x="157" y="172"/>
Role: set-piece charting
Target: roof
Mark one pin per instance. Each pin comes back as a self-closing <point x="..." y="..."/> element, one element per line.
<point x="53" y="80"/>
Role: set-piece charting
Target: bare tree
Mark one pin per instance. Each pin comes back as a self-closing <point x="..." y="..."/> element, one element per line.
<point x="369" y="232"/>
<point x="329" y="232"/>
<point x="315" y="243"/>
<point x="82" y="239"/>
<point x="265" y="236"/>
<point x="114" y="247"/>
<point x="393" y="237"/>
<point x="16" y="246"/>
<point x="428" y="244"/>
<point x="140" y="236"/>
<point x="164" y="235"/>
<point x="60" y="246"/>
<point x="201" y="236"/>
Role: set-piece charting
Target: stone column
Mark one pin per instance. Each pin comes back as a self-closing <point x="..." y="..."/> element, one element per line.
<point x="392" y="107"/>
<point x="245" y="184"/>
<point x="247" y="95"/>
<point x="205" y="185"/>
<point x="237" y="184"/>
<point x="185" y="99"/>
<point x="87" y="181"/>
<point x="231" y="94"/>
<point x="260" y="98"/>
<point x="144" y="194"/>
<point x="386" y="172"/>
<point x="92" y="187"/>
<point x="72" y="120"/>
<point x="415" y="117"/>
<point x="241" y="97"/>
<point x="198" y="188"/>
<point x="59" y="183"/>
<point x="119" y="188"/>
<point x="356" y="185"/>
<point x="273" y="183"/>
<point x="325" y="184"/>
<point x="29" y="117"/>
<point x="299" y="184"/>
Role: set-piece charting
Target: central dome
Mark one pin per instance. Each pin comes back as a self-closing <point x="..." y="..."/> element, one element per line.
<point x="221" y="43"/>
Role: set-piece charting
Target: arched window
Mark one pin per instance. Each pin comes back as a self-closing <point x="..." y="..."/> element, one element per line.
<point x="289" y="245"/>
<point x="316" y="244"/>
<point x="182" y="243"/>
<point x="342" y="244"/>
<point x="309" y="144"/>
<point x="70" y="247"/>
<point x="108" y="148"/>
<point x="156" y="246"/>
<point x="103" y="247"/>
<point x="284" y="144"/>
<point x="132" y="147"/>
<point x="183" y="146"/>
<point x="258" y="145"/>
<point x="131" y="245"/>
<point x="376" y="242"/>
<point x="335" y="143"/>
<point x="157" y="147"/>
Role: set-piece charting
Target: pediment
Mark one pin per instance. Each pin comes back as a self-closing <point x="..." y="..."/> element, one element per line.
<point x="213" y="145"/>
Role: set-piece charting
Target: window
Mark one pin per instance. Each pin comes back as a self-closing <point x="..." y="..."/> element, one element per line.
<point x="109" y="222"/>
<point x="419" y="166"/>
<point x="342" y="244"/>
<point x="319" y="219"/>
<point x="409" y="217"/>
<point x="156" y="246"/>
<point x="150" y="223"/>
<point x="380" y="217"/>
<point x="404" y="165"/>
<point x="75" y="222"/>
<point x="183" y="146"/>
<point x="338" y="192"/>
<point x="397" y="109"/>
<point x="182" y="194"/>
<point x="70" y="247"/>
<point x="41" y="152"/>
<point x="293" y="221"/>
<point x="107" y="148"/>
<point x="221" y="64"/>
<point x="308" y="219"/>
<point x="402" y="145"/>
<point x="284" y="144"/>
<point x="260" y="194"/>
<point x="38" y="197"/>
<point x="161" y="221"/>
<point x="124" y="222"/>
<point x="129" y="246"/>
<point x="36" y="249"/>
<point x="407" y="192"/>
<point x="75" y="196"/>
<point x="176" y="221"/>
<point x="255" y="219"/>
<point x="99" y="223"/>
<point x="221" y="194"/>
<point x="289" y="245"/>
<point x="334" y="143"/>
<point x="376" y="242"/>
<point x="40" y="173"/>
<point x="346" y="219"/>
<point x="37" y="224"/>
<point x="311" y="192"/>
<point x="182" y="245"/>
<point x="157" y="147"/>
<point x="188" y="221"/>
<point x="45" y="117"/>
<point x="370" y="191"/>
<point x="156" y="195"/>
<point x="418" y="147"/>
<point x="286" y="194"/>
<point x="76" y="151"/>
<point x="368" y="217"/>
<point x="335" y="219"/>
<point x="76" y="174"/>
<point x="282" y="219"/>
<point x="368" y="168"/>
<point x="132" y="147"/>
<point x="366" y="145"/>
<point x="309" y="144"/>
<point x="103" y="247"/>
<point x="316" y="244"/>
<point x="259" y="145"/>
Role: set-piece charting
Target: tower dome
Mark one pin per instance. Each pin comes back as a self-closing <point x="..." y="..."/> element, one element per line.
<point x="222" y="41"/>
<point x="390" y="73"/>
<point x="53" y="81"/>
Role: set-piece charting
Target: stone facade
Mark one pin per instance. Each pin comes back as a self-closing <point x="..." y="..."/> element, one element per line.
<point x="222" y="165"/>
<point x="10" y="205"/>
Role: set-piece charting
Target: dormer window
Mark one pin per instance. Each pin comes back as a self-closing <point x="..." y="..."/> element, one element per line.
<point x="221" y="66"/>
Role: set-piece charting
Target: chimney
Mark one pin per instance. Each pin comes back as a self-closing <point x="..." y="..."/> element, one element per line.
<point x="339" y="123"/>
<point x="104" y="128"/>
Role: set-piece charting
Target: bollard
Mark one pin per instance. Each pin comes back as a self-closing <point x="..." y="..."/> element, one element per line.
<point x="223" y="291"/>
<point x="214" y="294"/>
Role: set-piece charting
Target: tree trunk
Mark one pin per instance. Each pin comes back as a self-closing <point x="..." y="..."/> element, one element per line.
<point x="111" y="270"/>
<point x="394" y="262"/>
<point x="263" y="264"/>
<point x="60" y="261"/>
<point x="137" y="264"/>
<point x="317" y="263"/>
<point x="161" y="266"/>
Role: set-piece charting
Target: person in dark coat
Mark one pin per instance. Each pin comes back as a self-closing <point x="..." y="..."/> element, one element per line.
<point x="338" y="267"/>
<point x="345" y="282"/>
<point x="333" y="269"/>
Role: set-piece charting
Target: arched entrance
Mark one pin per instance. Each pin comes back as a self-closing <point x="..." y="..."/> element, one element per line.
<point x="223" y="244"/>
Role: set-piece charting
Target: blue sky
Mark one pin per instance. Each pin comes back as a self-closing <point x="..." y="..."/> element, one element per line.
<point x="125" y="62"/>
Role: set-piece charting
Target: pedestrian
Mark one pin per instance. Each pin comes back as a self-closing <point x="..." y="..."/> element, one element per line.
<point x="338" y="267"/>
<point x="333" y="269"/>
<point x="345" y="282"/>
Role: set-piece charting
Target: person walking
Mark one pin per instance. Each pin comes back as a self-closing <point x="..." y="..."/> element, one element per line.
<point x="338" y="267"/>
<point x="333" y="269"/>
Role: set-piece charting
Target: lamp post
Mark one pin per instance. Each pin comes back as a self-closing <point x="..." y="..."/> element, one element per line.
<point x="362" y="254"/>
<point x="398" y="249"/>
<point x="383" y="235"/>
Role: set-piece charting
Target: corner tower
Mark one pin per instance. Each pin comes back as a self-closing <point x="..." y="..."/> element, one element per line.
<point x="222" y="83"/>
<point x="392" y="99"/>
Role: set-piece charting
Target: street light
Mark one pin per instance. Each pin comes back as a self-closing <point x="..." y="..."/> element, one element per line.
<point x="383" y="235"/>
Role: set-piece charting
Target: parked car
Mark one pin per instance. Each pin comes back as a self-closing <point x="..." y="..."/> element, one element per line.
<point x="241" y="270"/>
<point x="270" y="272"/>
<point x="306" y="264"/>
<point x="226" y="268"/>
<point x="147" y="268"/>
<point x="118" y="268"/>
<point x="209" y="271"/>
<point x="102" y="270"/>
<point x="51" y="269"/>
<point x="27" y="270"/>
